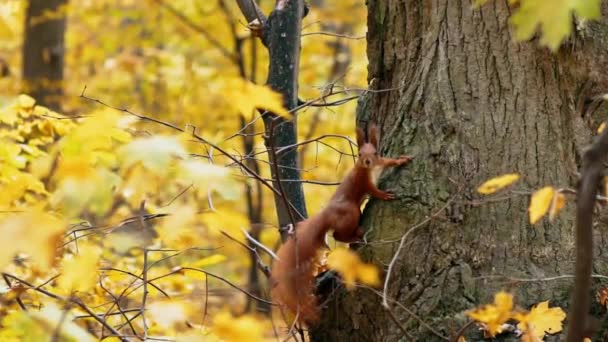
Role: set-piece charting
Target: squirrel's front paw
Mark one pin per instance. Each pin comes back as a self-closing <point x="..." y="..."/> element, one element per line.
<point x="404" y="160"/>
<point x="387" y="196"/>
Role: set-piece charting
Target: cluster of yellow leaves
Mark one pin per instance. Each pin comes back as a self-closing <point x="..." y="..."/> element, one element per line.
<point x="534" y="324"/>
<point x="545" y="200"/>
<point x="554" y="17"/>
<point x="90" y="165"/>
<point x="542" y="201"/>
<point x="352" y="269"/>
<point x="35" y="326"/>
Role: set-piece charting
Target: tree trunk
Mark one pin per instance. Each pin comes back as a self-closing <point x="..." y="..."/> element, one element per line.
<point x="470" y="104"/>
<point x="44" y="50"/>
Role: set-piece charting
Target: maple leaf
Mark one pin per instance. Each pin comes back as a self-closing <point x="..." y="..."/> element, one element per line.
<point x="351" y="268"/>
<point x="155" y="153"/>
<point x="541" y="320"/>
<point x="168" y="313"/>
<point x="244" y="328"/>
<point x="34" y="232"/>
<point x="208" y="177"/>
<point x="494" y="315"/>
<point x="54" y="318"/>
<point x="497" y="183"/>
<point x="78" y="271"/>
<point x="25" y="101"/>
<point x="553" y="16"/>
<point x="540" y="203"/>
<point x="250" y="96"/>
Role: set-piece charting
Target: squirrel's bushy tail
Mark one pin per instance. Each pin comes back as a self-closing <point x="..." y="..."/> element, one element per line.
<point x="293" y="278"/>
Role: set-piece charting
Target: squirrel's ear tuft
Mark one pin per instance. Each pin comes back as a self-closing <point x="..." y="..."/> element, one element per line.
<point x="360" y="137"/>
<point x="374" y="135"/>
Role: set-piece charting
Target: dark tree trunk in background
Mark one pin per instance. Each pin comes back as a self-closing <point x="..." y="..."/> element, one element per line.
<point x="471" y="104"/>
<point x="44" y="50"/>
<point x="283" y="44"/>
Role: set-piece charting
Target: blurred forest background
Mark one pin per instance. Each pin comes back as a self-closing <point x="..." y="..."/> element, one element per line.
<point x="195" y="65"/>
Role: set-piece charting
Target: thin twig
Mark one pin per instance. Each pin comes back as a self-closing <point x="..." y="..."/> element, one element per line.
<point x="145" y="294"/>
<point x="401" y="244"/>
<point x="74" y="300"/>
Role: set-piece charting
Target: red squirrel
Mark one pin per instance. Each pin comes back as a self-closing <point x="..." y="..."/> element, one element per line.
<point x="293" y="274"/>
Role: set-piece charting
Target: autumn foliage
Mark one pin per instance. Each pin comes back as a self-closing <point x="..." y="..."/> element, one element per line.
<point x="143" y="209"/>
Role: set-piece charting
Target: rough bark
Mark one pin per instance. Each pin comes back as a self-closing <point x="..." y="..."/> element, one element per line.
<point x="471" y="104"/>
<point x="44" y="50"/>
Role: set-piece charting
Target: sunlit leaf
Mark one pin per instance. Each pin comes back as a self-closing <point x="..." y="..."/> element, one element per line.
<point x="540" y="203"/>
<point x="168" y="313"/>
<point x="54" y="318"/>
<point x="34" y="232"/>
<point x="541" y="320"/>
<point x="25" y="101"/>
<point x="554" y="17"/>
<point x="208" y="177"/>
<point x="250" y="96"/>
<point x="494" y="315"/>
<point x="557" y="204"/>
<point x="155" y="153"/>
<point x="243" y="328"/>
<point x="497" y="183"/>
<point x="78" y="271"/>
<point x="352" y="269"/>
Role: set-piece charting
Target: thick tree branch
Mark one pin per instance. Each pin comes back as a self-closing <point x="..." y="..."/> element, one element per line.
<point x="591" y="176"/>
<point x="252" y="12"/>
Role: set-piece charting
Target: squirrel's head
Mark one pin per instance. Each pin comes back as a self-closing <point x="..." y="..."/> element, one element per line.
<point x="368" y="153"/>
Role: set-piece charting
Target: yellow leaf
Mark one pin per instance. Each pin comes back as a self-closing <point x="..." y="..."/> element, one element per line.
<point x="250" y="96"/>
<point x="77" y="168"/>
<point x="229" y="221"/>
<point x="497" y="183"/>
<point x="176" y="229"/>
<point x="554" y="17"/>
<point x="601" y="128"/>
<point x="462" y="339"/>
<point x="209" y="261"/>
<point x="155" y="153"/>
<point x="168" y="313"/>
<point x="244" y="328"/>
<point x="25" y="101"/>
<point x="79" y="272"/>
<point x="494" y="315"/>
<point x="351" y="268"/>
<point x="540" y="203"/>
<point x="42" y="324"/>
<point x="542" y="320"/>
<point x="558" y="203"/>
<point x="33" y="232"/>
<point x="52" y="317"/>
<point x="208" y="177"/>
